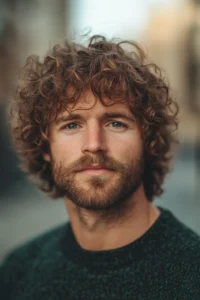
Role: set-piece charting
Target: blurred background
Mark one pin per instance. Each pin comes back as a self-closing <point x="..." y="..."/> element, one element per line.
<point x="169" y="31"/>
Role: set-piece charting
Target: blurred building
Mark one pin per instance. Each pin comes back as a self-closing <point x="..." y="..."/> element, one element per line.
<point x="26" y="27"/>
<point x="167" y="35"/>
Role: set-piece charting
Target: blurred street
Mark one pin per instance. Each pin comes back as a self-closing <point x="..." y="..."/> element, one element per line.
<point x="25" y="212"/>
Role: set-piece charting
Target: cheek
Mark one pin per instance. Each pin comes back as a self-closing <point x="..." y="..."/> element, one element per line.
<point x="58" y="148"/>
<point x="127" y="148"/>
<point x="65" y="150"/>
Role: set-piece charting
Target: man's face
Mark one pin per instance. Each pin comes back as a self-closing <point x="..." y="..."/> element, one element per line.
<point x="96" y="153"/>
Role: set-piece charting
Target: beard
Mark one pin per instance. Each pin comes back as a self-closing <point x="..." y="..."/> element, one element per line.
<point x="98" y="192"/>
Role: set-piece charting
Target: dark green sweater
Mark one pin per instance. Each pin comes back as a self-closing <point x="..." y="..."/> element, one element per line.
<point x="162" y="264"/>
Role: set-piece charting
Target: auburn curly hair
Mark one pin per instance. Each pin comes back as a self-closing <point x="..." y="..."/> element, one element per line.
<point x="115" y="70"/>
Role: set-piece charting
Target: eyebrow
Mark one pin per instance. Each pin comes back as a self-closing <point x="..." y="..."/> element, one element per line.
<point x="106" y="115"/>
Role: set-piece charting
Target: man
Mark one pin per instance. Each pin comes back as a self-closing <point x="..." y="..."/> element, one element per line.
<point x="94" y="125"/>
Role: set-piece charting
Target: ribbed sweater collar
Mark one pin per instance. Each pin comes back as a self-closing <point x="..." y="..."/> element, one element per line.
<point x="152" y="240"/>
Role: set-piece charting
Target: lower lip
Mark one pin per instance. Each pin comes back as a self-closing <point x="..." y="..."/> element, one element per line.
<point x="96" y="171"/>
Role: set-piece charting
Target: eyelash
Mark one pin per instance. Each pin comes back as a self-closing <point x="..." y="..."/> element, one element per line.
<point x="122" y="125"/>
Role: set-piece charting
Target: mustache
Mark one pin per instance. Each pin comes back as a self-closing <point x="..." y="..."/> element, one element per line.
<point x="88" y="160"/>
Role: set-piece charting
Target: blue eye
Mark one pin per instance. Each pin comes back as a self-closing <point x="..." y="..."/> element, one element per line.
<point x="71" y="126"/>
<point x="118" y="124"/>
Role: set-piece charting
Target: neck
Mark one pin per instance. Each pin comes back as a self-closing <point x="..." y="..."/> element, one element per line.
<point x="114" y="228"/>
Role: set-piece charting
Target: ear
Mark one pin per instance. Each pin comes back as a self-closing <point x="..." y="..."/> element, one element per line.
<point x="46" y="157"/>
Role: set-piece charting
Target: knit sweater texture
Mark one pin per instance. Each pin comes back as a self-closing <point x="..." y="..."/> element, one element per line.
<point x="164" y="263"/>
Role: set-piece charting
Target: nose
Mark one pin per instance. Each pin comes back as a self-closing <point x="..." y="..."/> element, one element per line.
<point x="94" y="139"/>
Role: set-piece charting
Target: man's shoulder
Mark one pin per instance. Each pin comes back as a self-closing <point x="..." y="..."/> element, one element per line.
<point x="188" y="242"/>
<point x="183" y="243"/>
<point x="28" y="251"/>
<point x="187" y="261"/>
<point x="186" y="236"/>
<point x="177" y="229"/>
<point x="180" y="240"/>
<point x="20" y="261"/>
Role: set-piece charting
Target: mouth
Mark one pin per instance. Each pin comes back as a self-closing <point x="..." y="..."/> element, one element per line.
<point x="98" y="170"/>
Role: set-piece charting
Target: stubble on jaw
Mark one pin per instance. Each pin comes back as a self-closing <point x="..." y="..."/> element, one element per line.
<point x="109" y="217"/>
<point x="105" y="196"/>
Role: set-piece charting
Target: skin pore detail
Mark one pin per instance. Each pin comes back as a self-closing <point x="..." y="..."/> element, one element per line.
<point x="97" y="162"/>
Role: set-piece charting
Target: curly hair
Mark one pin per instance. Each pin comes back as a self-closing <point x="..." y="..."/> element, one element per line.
<point x="116" y="70"/>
